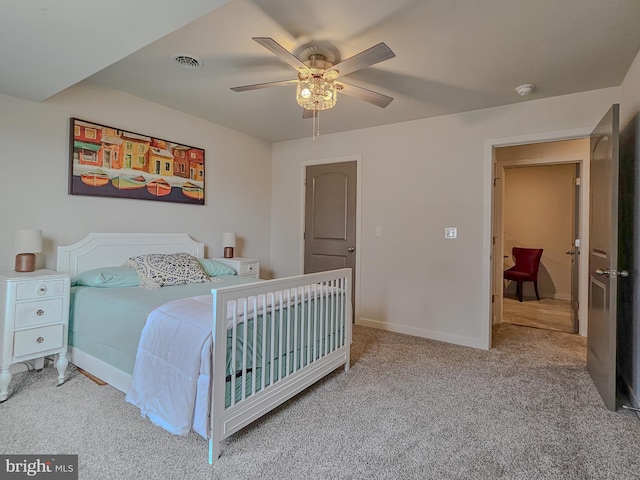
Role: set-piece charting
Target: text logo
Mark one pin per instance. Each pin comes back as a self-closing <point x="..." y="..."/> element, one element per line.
<point x="50" y="467"/>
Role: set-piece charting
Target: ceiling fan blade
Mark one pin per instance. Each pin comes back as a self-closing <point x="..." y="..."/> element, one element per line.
<point x="257" y="86"/>
<point x="306" y="113"/>
<point x="370" y="96"/>
<point x="281" y="52"/>
<point x="366" y="58"/>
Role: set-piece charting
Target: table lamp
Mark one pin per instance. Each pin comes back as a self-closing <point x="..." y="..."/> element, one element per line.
<point x="229" y="243"/>
<point x="26" y="243"/>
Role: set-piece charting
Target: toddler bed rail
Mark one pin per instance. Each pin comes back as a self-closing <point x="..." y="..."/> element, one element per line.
<point x="278" y="338"/>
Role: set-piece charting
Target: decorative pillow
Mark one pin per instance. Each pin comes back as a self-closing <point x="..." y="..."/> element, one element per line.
<point x="214" y="268"/>
<point x="107" y="277"/>
<point x="162" y="270"/>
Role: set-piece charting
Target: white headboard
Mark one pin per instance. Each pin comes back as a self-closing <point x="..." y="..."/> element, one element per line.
<point x="112" y="249"/>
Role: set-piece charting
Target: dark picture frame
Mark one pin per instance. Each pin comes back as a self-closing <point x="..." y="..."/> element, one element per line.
<point x="107" y="161"/>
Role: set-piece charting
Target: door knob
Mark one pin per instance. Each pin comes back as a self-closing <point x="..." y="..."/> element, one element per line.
<point x="612" y="273"/>
<point x="351" y="249"/>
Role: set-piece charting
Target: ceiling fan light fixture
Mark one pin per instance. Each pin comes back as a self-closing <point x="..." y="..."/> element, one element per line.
<point x="305" y="93"/>
<point x="316" y="93"/>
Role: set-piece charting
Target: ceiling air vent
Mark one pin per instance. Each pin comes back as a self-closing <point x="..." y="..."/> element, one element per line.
<point x="186" y="61"/>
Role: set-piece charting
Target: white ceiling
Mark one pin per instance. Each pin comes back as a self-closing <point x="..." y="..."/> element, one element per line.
<point x="451" y="56"/>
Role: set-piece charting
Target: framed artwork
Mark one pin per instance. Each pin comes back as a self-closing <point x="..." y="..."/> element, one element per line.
<point x="110" y="162"/>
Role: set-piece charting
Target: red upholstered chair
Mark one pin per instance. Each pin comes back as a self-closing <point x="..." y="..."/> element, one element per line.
<point x="526" y="268"/>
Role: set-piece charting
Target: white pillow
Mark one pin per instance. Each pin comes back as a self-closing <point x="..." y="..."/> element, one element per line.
<point x="162" y="270"/>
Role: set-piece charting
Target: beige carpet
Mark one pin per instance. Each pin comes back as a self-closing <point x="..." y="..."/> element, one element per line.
<point x="409" y="408"/>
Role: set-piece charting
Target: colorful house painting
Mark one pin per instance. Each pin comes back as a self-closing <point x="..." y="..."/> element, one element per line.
<point x="87" y="143"/>
<point x="196" y="164"/>
<point x="111" y="162"/>
<point x="180" y="162"/>
<point x="160" y="162"/>
<point x="111" y="146"/>
<point x="134" y="151"/>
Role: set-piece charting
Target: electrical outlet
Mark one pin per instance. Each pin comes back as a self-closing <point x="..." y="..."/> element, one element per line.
<point x="450" y="233"/>
<point x="378" y="231"/>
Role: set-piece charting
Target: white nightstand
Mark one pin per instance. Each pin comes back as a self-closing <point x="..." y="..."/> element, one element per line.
<point x="245" y="267"/>
<point x="34" y="321"/>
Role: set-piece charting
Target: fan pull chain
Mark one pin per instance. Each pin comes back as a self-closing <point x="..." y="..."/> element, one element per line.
<point x="316" y="124"/>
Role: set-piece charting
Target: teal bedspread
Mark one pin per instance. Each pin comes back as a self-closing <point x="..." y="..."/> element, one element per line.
<point x="106" y="322"/>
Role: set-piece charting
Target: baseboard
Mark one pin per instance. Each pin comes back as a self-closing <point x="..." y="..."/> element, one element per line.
<point x="424" y="333"/>
<point x="634" y="400"/>
<point x="531" y="294"/>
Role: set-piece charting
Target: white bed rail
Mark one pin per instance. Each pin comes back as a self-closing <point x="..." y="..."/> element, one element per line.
<point x="285" y="334"/>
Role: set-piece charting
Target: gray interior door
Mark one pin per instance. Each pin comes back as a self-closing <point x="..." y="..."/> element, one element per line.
<point x="603" y="257"/>
<point x="330" y="217"/>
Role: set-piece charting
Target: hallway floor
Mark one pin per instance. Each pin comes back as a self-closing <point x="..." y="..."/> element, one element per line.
<point x="547" y="313"/>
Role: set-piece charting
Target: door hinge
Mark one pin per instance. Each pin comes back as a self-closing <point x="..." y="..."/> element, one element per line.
<point x="578" y="181"/>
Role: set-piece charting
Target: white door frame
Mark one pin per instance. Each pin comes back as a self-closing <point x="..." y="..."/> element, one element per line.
<point x="487" y="247"/>
<point x="303" y="176"/>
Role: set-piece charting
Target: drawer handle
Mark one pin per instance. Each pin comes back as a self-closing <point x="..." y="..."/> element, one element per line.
<point x="42" y="289"/>
<point x="40" y="312"/>
<point x="40" y="339"/>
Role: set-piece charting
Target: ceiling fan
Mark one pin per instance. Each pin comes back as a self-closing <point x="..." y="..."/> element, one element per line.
<point x="319" y="69"/>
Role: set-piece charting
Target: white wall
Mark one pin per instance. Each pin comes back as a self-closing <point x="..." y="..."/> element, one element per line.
<point x="34" y="179"/>
<point x="418" y="178"/>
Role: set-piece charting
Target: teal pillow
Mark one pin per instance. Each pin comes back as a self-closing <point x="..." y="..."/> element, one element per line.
<point x="107" y="277"/>
<point x="214" y="268"/>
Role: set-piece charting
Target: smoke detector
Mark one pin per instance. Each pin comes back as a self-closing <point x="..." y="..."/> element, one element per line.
<point x="186" y="61"/>
<point x="525" y="89"/>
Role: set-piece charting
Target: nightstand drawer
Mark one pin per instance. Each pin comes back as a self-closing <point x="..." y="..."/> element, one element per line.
<point x="37" y="313"/>
<point x="248" y="268"/>
<point x="27" y="342"/>
<point x="44" y="289"/>
<point x="34" y="321"/>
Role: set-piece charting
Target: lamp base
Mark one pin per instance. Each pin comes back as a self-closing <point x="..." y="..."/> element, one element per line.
<point x="228" y="252"/>
<point x="25" y="262"/>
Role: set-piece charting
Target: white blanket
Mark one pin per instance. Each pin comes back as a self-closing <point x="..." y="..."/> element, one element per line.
<point x="171" y="377"/>
<point x="170" y="381"/>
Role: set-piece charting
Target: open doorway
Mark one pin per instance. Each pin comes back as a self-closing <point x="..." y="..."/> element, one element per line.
<point x="539" y="211"/>
<point x="538" y="204"/>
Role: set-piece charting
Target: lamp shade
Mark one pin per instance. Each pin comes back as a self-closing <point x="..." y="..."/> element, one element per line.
<point x="27" y="241"/>
<point x="228" y="239"/>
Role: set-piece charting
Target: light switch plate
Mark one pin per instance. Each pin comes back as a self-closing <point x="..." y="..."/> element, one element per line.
<point x="450" y="233"/>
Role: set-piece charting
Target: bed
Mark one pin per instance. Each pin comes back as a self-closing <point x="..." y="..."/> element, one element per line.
<point x="279" y="336"/>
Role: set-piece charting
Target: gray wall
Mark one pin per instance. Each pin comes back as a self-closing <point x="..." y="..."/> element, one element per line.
<point x="417" y="179"/>
<point x="35" y="158"/>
